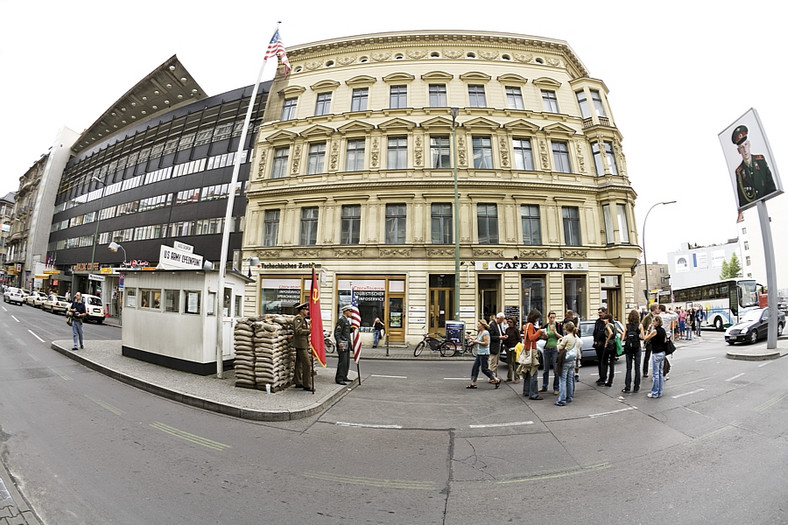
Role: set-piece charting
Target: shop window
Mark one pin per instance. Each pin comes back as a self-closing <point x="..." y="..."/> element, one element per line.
<point x="533" y="290"/>
<point x="575" y="295"/>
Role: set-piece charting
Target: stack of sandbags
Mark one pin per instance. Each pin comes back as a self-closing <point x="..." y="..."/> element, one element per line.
<point x="274" y="355"/>
<point x="244" y="353"/>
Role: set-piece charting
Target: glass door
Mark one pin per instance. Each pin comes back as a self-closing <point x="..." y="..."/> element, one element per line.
<point x="440" y="309"/>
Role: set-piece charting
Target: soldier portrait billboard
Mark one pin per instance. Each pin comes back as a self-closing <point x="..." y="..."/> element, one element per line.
<point x="753" y="172"/>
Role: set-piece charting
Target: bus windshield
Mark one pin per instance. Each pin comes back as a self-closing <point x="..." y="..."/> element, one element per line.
<point x="748" y="295"/>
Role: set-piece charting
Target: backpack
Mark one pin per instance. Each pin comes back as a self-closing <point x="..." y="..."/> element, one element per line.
<point x="571" y="353"/>
<point x="631" y="340"/>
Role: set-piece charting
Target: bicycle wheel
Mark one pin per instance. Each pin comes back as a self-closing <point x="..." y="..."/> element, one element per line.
<point x="447" y="349"/>
<point x="329" y="344"/>
<point x="418" y="349"/>
<point x="472" y="350"/>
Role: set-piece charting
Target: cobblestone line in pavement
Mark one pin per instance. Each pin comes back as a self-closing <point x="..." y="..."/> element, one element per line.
<point x="13" y="508"/>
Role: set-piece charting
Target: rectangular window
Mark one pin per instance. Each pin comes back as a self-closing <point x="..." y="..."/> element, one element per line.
<point x="397" y="153"/>
<point x="571" y="215"/>
<point x="271" y="228"/>
<point x="583" y="102"/>
<point x="351" y="224"/>
<point x="439" y="152"/>
<point x="575" y="295"/>
<point x="482" y="153"/>
<point x="151" y="299"/>
<point x="514" y="98"/>
<point x="623" y="223"/>
<point x="441" y="223"/>
<point x="289" y="108"/>
<point x="487" y="221"/>
<point x="608" y="222"/>
<point x="359" y="99"/>
<point x="550" y="101"/>
<point x="279" y="165"/>
<point x="398" y="97"/>
<point x="309" y="226"/>
<point x="438" y="96"/>
<point x="561" y="157"/>
<point x="323" y="105"/>
<point x="476" y="98"/>
<point x="532" y="228"/>
<point x="316" y="158"/>
<point x="597" y="99"/>
<point x="523" y="155"/>
<point x="192" y="301"/>
<point x="598" y="166"/>
<point x="354" y="161"/>
<point x="395" y="223"/>
<point x="611" y="158"/>
<point x="533" y="294"/>
<point x="172" y="301"/>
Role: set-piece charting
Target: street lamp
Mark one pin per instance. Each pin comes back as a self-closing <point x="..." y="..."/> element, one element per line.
<point x="645" y="258"/>
<point x="454" y="112"/>
<point x="113" y="247"/>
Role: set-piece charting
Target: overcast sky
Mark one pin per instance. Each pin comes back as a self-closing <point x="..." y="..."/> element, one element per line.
<point x="678" y="74"/>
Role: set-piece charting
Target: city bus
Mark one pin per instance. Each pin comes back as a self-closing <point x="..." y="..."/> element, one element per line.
<point x="723" y="302"/>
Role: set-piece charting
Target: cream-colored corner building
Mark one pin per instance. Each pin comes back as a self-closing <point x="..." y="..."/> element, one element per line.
<point x="353" y="171"/>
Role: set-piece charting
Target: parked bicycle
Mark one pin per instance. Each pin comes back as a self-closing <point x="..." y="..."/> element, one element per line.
<point x="453" y="347"/>
<point x="436" y="343"/>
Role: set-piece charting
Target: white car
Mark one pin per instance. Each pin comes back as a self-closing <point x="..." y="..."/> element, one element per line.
<point x="36" y="299"/>
<point x="56" y="303"/>
<point x="14" y="295"/>
<point x="94" y="308"/>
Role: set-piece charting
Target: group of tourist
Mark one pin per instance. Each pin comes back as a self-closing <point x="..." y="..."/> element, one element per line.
<point x="652" y="332"/>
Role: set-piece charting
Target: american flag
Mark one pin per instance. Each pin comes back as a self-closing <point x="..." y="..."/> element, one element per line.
<point x="277" y="48"/>
<point x="355" y="323"/>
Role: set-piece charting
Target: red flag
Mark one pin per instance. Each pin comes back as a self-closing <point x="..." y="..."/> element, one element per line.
<point x="355" y="323"/>
<point x="316" y="322"/>
<point x="277" y="48"/>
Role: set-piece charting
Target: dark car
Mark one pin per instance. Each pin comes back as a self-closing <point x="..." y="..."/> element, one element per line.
<point x="753" y="326"/>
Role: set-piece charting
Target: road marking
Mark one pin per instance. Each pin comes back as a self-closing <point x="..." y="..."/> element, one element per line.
<point x="687" y="393"/>
<point x="34" y="335"/>
<point x="455" y="379"/>
<point x="14" y="318"/>
<point x="115" y="410"/>
<point x="705" y="359"/>
<point x="365" y="425"/>
<point x="493" y="425"/>
<point x="765" y="364"/>
<point x="390" y="377"/>
<point x="555" y="475"/>
<point x="717" y="431"/>
<point x="63" y="376"/>
<point x="192" y="438"/>
<point x="612" y="412"/>
<point x="770" y="402"/>
<point x="33" y="357"/>
<point x="373" y="482"/>
<point x="734" y="377"/>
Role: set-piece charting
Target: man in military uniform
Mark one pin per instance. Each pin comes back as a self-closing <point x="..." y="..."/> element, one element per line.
<point x="342" y="336"/>
<point x="753" y="177"/>
<point x="303" y="368"/>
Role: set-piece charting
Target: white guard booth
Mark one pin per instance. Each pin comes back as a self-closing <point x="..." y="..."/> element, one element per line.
<point x="169" y="318"/>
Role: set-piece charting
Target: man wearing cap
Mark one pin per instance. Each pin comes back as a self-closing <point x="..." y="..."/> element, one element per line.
<point x="342" y="336"/>
<point x="303" y="368"/>
<point x="753" y="177"/>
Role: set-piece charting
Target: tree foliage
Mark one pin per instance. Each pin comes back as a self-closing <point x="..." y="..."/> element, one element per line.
<point x="731" y="268"/>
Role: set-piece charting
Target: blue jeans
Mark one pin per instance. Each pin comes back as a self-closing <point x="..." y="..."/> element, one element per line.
<point x="531" y="384"/>
<point x="76" y="331"/>
<point x="483" y="362"/>
<point x="375" y="337"/>
<point x="566" y="383"/>
<point x="657" y="360"/>
<point x="550" y="358"/>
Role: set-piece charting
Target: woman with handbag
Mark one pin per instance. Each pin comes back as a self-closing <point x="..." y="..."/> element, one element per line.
<point x="529" y="357"/>
<point x="482" y="343"/>
<point x="513" y="338"/>
<point x="658" y="339"/>
<point x="567" y="353"/>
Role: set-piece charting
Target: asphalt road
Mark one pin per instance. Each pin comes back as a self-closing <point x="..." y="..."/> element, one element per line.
<point x="411" y="445"/>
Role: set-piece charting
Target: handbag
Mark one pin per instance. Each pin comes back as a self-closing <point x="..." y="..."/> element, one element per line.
<point x="619" y="349"/>
<point x="69" y="319"/>
<point x="669" y="347"/>
<point x="518" y="349"/>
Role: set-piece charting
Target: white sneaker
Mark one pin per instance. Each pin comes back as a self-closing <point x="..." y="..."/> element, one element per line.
<point x="650" y="395"/>
<point x="667" y="377"/>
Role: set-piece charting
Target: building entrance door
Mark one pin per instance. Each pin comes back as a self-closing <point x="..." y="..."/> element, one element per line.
<point x="440" y="309"/>
<point x="489" y="296"/>
<point x="395" y="327"/>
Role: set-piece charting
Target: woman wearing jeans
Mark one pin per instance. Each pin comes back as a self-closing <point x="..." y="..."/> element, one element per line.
<point x="482" y="343"/>
<point x="657" y="337"/>
<point x="553" y="332"/>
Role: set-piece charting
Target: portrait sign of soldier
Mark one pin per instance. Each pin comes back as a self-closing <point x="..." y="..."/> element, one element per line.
<point x="753" y="176"/>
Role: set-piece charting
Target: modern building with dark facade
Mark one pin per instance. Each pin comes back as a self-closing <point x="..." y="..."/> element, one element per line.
<point x="153" y="169"/>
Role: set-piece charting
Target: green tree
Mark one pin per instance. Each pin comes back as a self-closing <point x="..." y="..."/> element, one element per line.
<point x="731" y="269"/>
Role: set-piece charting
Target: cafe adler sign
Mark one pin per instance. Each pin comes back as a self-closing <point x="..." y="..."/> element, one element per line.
<point x="549" y="266"/>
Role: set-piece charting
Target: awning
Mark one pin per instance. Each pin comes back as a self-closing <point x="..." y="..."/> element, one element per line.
<point x="42" y="276"/>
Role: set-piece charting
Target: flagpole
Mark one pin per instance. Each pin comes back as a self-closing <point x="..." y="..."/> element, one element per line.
<point x="226" y="227"/>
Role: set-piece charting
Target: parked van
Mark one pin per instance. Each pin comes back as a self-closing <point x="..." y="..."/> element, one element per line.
<point x="94" y="308"/>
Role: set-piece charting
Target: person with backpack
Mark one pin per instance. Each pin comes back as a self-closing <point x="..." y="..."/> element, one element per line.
<point x="567" y="353"/>
<point x="632" y="336"/>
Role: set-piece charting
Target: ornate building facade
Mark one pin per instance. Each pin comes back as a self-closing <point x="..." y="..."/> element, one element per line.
<point x="355" y="165"/>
